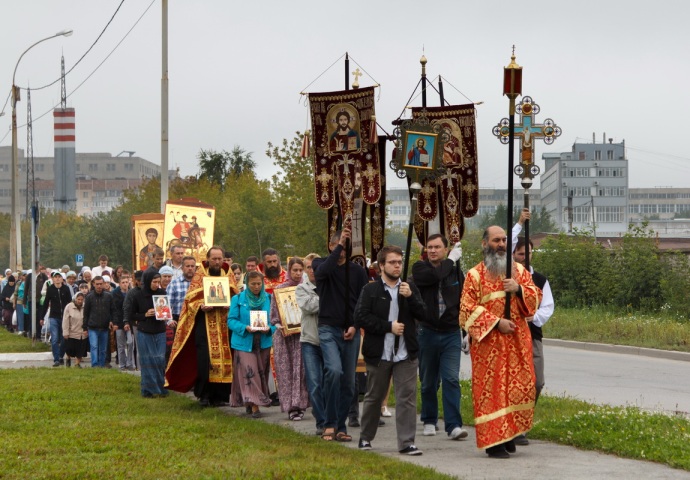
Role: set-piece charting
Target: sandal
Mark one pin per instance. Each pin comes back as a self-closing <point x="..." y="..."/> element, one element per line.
<point x="343" y="437"/>
<point x="296" y="415"/>
<point x="328" y="434"/>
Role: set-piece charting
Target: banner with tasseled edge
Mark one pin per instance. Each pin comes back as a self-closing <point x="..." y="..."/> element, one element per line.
<point x="454" y="195"/>
<point x="346" y="155"/>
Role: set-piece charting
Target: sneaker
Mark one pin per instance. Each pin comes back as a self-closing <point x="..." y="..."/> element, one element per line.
<point x="353" y="422"/>
<point x="521" y="440"/>
<point x="458" y="433"/>
<point x="411" y="450"/>
<point x="364" y="444"/>
<point x="429" y="429"/>
<point x="385" y="412"/>
<point x="56" y="364"/>
<point x="381" y="423"/>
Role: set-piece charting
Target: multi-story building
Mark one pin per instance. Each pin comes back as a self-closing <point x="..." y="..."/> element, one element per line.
<point x="101" y="179"/>
<point x="587" y="187"/>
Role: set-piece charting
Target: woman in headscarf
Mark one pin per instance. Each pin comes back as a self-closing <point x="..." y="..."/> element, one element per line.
<point x="252" y="344"/>
<point x="287" y="354"/>
<point x="6" y="300"/>
<point x="150" y="336"/>
<point x="72" y="329"/>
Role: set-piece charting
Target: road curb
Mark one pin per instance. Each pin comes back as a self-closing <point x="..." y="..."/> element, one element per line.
<point x="26" y="357"/>
<point x="603" y="347"/>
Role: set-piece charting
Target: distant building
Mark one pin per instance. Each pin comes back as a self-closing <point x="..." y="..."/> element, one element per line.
<point x="595" y="175"/>
<point x="107" y="176"/>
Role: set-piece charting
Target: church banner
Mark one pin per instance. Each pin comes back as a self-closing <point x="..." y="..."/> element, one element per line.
<point x="456" y="193"/>
<point x="341" y="128"/>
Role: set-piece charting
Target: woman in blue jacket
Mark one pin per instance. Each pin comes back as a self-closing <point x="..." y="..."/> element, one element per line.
<point x="252" y="340"/>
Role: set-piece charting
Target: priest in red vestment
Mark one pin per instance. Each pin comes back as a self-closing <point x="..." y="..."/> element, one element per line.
<point x="503" y="384"/>
<point x="200" y="356"/>
<point x="273" y="272"/>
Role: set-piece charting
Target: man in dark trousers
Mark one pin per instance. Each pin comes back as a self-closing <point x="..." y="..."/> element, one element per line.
<point x="440" y="281"/>
<point x="386" y="311"/>
<point x="338" y="285"/>
<point x="58" y="296"/>
<point x="99" y="314"/>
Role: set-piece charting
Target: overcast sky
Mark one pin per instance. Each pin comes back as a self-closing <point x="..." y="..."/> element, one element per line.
<point x="237" y="68"/>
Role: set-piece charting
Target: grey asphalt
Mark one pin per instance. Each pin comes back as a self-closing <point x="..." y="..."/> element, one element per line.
<point x="602" y="375"/>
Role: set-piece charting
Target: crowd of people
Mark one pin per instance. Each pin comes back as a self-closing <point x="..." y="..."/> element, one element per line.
<point x="244" y="354"/>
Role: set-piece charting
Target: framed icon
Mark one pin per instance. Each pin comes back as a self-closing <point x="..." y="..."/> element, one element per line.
<point x="258" y="321"/>
<point x="289" y="312"/>
<point x="147" y="235"/>
<point x="420" y="150"/>
<point x="161" y="305"/>
<point x="217" y="291"/>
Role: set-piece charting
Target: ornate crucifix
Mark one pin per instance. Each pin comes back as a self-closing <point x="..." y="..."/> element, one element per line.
<point x="527" y="131"/>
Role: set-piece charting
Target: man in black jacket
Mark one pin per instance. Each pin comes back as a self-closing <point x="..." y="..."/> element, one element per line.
<point x="338" y="285"/>
<point x="440" y="281"/>
<point x="99" y="313"/>
<point x="58" y="296"/>
<point x="386" y="311"/>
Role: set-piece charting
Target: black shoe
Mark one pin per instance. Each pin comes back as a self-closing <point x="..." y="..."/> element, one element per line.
<point x="497" y="451"/>
<point x="521" y="440"/>
<point x="56" y="364"/>
<point x="275" y="401"/>
<point x="353" y="422"/>
<point x="510" y="446"/>
<point x="381" y="423"/>
<point x="62" y="361"/>
<point x="219" y="404"/>
<point x="364" y="444"/>
<point x="68" y="363"/>
<point x="411" y="450"/>
<point x="203" y="402"/>
<point x="248" y="409"/>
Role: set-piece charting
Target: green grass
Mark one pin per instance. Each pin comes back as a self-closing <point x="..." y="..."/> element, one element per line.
<point x="13" y="343"/>
<point x="93" y="423"/>
<point x="601" y="325"/>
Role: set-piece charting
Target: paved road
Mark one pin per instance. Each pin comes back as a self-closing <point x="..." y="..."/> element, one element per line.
<point x="615" y="378"/>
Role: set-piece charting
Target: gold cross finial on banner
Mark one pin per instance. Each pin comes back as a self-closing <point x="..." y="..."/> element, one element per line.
<point x="356" y="74"/>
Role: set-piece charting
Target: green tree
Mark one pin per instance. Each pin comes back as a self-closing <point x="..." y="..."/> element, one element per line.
<point x="216" y="167"/>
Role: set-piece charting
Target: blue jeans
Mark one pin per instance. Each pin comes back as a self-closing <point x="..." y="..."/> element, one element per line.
<point x="439" y="362"/>
<point x="57" y="342"/>
<point x="99" y="341"/>
<point x="20" y="317"/>
<point x="339" y="362"/>
<point x="313" y="374"/>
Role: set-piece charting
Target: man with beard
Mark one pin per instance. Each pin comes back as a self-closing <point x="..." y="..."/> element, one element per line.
<point x="200" y="356"/>
<point x="503" y="390"/>
<point x="274" y="274"/>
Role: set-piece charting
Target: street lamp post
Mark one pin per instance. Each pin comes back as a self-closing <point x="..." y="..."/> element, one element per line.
<point x="15" y="219"/>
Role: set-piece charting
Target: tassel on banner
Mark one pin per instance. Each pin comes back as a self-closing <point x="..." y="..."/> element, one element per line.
<point x="373" y="134"/>
<point x="304" y="153"/>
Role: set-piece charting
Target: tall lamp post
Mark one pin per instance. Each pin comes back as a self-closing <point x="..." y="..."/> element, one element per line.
<point x="15" y="219"/>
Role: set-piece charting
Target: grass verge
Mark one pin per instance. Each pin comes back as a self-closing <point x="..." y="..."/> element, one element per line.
<point x="601" y="325"/>
<point x="93" y="423"/>
<point x="13" y="343"/>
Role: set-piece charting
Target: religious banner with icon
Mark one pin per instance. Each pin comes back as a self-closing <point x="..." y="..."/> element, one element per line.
<point x="189" y="223"/>
<point x="341" y="131"/>
<point x="453" y="194"/>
